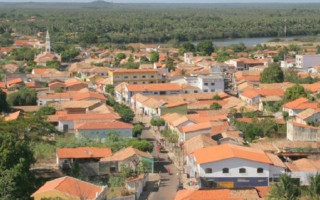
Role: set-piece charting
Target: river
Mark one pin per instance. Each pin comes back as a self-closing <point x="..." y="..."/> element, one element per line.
<point x="247" y="41"/>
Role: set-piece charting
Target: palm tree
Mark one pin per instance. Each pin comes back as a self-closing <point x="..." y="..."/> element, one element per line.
<point x="314" y="188"/>
<point x="286" y="189"/>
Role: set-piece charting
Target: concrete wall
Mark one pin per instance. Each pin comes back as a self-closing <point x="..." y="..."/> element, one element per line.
<point x="298" y="133"/>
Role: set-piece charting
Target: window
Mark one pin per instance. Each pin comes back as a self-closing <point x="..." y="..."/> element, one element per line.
<point x="260" y="170"/>
<point x="225" y="170"/>
<point x="242" y="170"/>
<point x="205" y="83"/>
<point x="212" y="83"/>
<point x="125" y="77"/>
<point x="135" y="77"/>
<point x="212" y="90"/>
<point x="205" y="90"/>
<point x="208" y="170"/>
<point x="186" y="92"/>
<point x="143" y="76"/>
<point x="152" y="76"/>
<point x="196" y="91"/>
<point x="134" y="82"/>
<point x="113" y="169"/>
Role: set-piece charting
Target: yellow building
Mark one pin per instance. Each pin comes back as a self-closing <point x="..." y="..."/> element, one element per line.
<point x="136" y="76"/>
<point x="70" y="189"/>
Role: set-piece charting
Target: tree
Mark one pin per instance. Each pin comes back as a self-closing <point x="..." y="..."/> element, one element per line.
<point x="294" y="93"/>
<point x="154" y="56"/>
<point x="314" y="188"/>
<point x="15" y="161"/>
<point x="216" y="97"/>
<point x="3" y="101"/>
<point x="137" y="130"/>
<point x="53" y="64"/>
<point x="24" y="96"/>
<point x="215" y="106"/>
<point x="142" y="145"/>
<point x="109" y="89"/>
<point x="47" y="110"/>
<point x="125" y="112"/>
<point x="286" y="189"/>
<point x="272" y="74"/>
<point x="88" y="38"/>
<point x="169" y="63"/>
<point x="205" y="48"/>
<point x="157" y="122"/>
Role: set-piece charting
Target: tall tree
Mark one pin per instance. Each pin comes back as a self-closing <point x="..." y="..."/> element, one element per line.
<point x="205" y="48"/>
<point x="272" y="74"/>
<point x="314" y="188"/>
<point x="16" y="180"/>
<point x="295" y="92"/>
<point x="154" y="56"/>
<point x="286" y="189"/>
<point x="3" y="101"/>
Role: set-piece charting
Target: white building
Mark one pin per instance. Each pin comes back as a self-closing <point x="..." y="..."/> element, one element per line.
<point x="233" y="166"/>
<point x="100" y="130"/>
<point x="307" y="61"/>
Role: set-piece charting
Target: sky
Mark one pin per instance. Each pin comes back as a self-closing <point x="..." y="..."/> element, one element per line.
<point x="175" y="1"/>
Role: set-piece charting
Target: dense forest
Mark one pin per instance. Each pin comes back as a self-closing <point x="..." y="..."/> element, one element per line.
<point x="99" y="22"/>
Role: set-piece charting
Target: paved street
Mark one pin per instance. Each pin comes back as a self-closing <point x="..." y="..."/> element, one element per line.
<point x="169" y="183"/>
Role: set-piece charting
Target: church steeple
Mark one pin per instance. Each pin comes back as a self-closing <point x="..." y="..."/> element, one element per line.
<point x="48" y="46"/>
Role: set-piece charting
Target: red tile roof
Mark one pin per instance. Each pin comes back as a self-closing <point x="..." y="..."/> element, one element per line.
<point x="70" y="117"/>
<point x="227" y="151"/>
<point x="71" y="186"/>
<point x="83" y="152"/>
<point x="197" y="127"/>
<point x="2" y="85"/>
<point x="295" y="103"/>
<point x="104" y="125"/>
<point x="39" y="70"/>
<point x="87" y="95"/>
<point x="125" y="153"/>
<point x="154" y="87"/>
<point x="12" y="116"/>
<point x="14" y="81"/>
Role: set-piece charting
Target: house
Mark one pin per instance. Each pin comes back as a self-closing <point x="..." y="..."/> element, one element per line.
<point x="287" y="63"/>
<point x="175" y="120"/>
<point x="307" y="61"/>
<point x="309" y="115"/>
<point x="256" y="96"/>
<point x="13" y="83"/>
<point x="314" y="88"/>
<point x="66" y="122"/>
<point x="302" y="132"/>
<point x="298" y="105"/>
<point x="100" y="130"/>
<point x="47" y="75"/>
<point x="67" y="156"/>
<point x="68" y="85"/>
<point x="245" y="63"/>
<point x="187" y="132"/>
<point x="70" y="188"/>
<point x="233" y="166"/>
<point x="303" y="168"/>
<point x="130" y="157"/>
<point x="198" y="142"/>
<point x="135" y="76"/>
<point x="126" y="91"/>
<point x="207" y="83"/>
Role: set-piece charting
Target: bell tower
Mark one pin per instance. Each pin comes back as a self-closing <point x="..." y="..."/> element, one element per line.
<point x="48" y="48"/>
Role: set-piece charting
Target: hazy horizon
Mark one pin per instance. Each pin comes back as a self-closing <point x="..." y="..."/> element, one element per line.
<point x="169" y="1"/>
